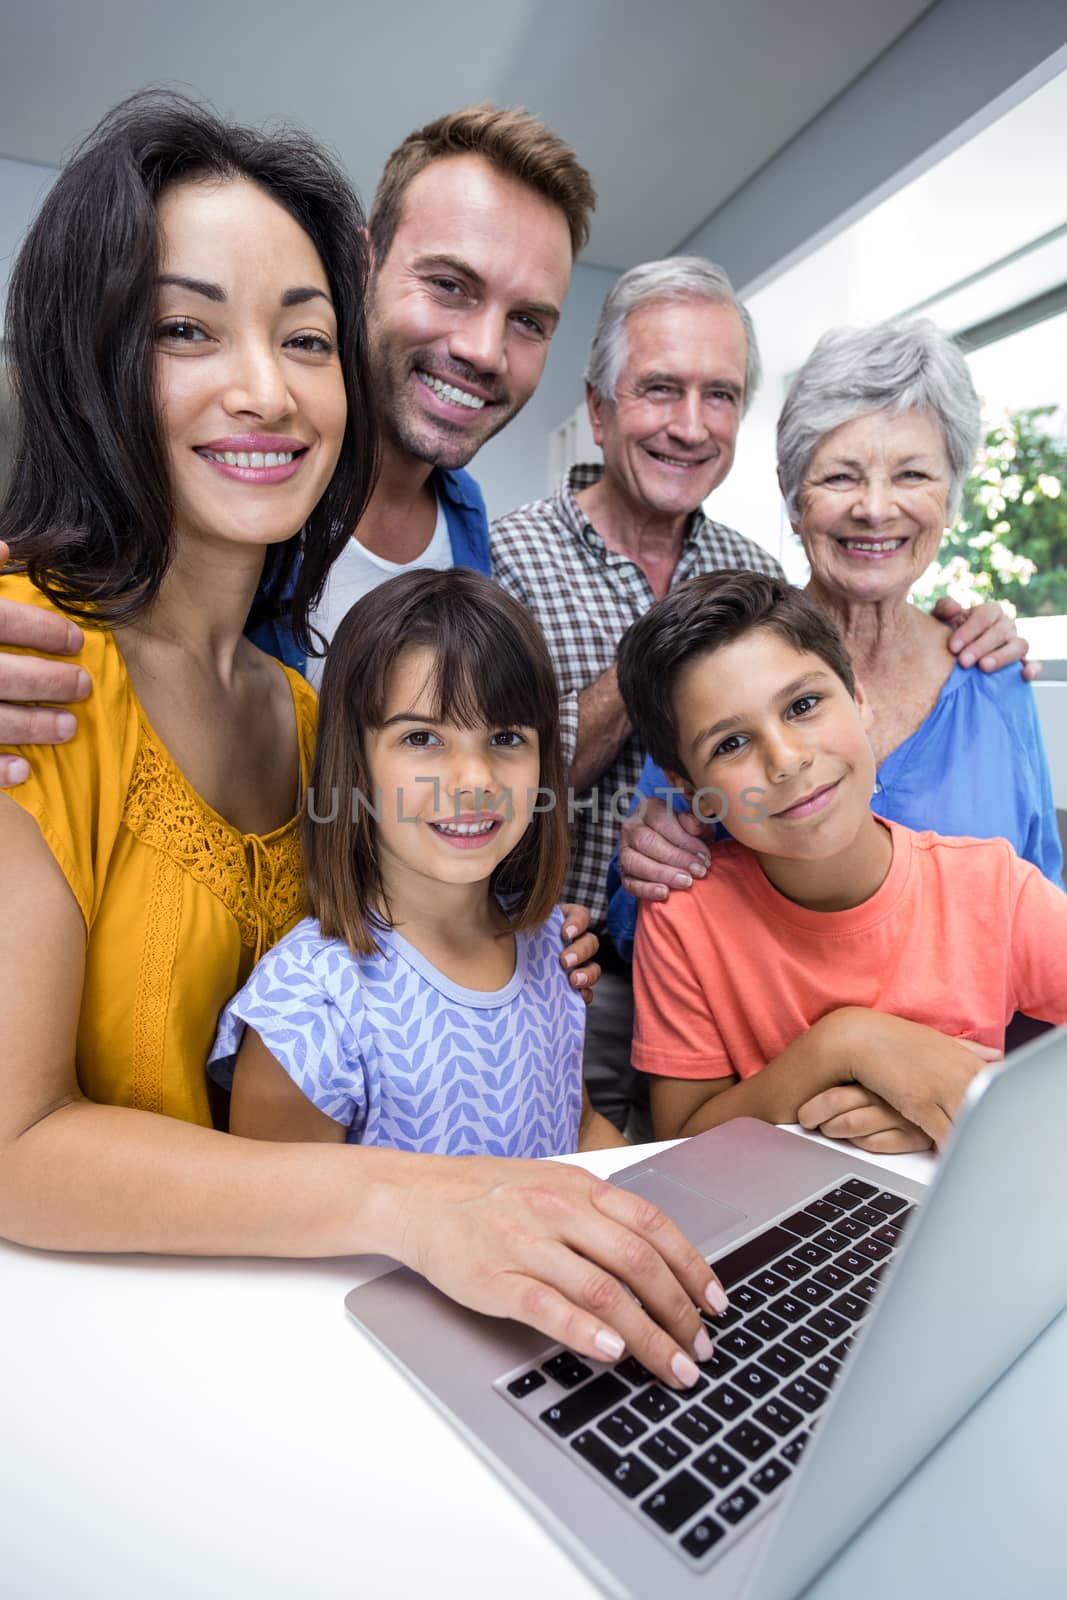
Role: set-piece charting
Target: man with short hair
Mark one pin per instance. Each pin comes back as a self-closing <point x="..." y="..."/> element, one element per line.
<point x="474" y="229"/>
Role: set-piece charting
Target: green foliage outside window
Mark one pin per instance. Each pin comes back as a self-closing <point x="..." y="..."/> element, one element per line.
<point x="1010" y="540"/>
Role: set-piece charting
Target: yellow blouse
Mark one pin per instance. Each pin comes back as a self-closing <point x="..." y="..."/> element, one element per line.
<point x="178" y="904"/>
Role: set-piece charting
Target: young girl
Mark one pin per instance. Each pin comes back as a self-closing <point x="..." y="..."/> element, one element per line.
<point x="422" y="1005"/>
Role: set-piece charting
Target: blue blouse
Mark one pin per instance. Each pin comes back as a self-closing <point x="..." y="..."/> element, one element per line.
<point x="975" y="768"/>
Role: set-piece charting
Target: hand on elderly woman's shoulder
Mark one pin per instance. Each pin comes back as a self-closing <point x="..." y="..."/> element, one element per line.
<point x="985" y="635"/>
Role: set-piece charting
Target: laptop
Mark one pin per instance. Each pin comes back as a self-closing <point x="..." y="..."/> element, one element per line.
<point x="748" y="1484"/>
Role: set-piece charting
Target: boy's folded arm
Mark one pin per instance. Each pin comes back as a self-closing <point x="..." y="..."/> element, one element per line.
<point x="804" y="1069"/>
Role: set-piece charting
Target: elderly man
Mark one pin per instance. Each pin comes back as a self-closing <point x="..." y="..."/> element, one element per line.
<point x="673" y="365"/>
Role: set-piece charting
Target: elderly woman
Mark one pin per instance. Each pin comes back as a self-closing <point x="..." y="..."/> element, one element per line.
<point x="877" y="434"/>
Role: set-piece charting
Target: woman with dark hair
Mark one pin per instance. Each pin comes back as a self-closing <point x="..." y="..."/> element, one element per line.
<point x="187" y="337"/>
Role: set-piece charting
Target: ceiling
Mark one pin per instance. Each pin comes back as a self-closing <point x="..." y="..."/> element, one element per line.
<point x="672" y="105"/>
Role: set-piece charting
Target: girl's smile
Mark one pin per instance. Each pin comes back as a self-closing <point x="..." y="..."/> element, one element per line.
<point x="454" y="798"/>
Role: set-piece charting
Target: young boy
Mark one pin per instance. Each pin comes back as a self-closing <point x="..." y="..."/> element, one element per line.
<point x="832" y="967"/>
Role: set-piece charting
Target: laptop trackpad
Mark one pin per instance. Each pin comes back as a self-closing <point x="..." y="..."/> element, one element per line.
<point x="701" y="1216"/>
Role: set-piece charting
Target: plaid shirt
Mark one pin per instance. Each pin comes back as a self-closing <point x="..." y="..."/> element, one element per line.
<point x="549" y="556"/>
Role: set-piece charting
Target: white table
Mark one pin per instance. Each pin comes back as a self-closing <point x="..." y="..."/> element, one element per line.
<point x="175" y="1428"/>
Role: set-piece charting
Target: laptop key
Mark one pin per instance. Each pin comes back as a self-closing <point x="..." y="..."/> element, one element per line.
<point x="746" y="1297"/>
<point x="850" y="1306"/>
<point x="887" y="1234"/>
<point x="789" y="1267"/>
<point x="752" y="1255"/>
<point x="811" y="1255"/>
<point x="629" y="1474"/>
<point x="849" y="1226"/>
<point x="675" y="1501"/>
<point x="825" y="1370"/>
<point x="849" y="1261"/>
<point x="814" y="1293"/>
<point x="805" y="1394"/>
<point x="803" y="1225"/>
<point x="623" y="1427"/>
<point x="869" y="1217"/>
<point x="866" y="1288"/>
<point x="579" y="1408"/>
<point x="749" y="1441"/>
<point x="739" y="1343"/>
<point x="720" y="1364"/>
<point x="832" y="1240"/>
<point x="841" y="1350"/>
<point x="737" y="1505"/>
<point x="890" y="1204"/>
<point x="698" y="1425"/>
<point x="633" y="1372"/>
<point x="521" y="1387"/>
<point x="755" y="1381"/>
<point x="764" y="1326"/>
<point x="824" y="1209"/>
<point x="779" y="1416"/>
<point x="665" y="1449"/>
<point x="655" y="1403"/>
<point x="795" y="1448"/>
<point x="769" y="1282"/>
<point x="829" y="1323"/>
<point x="702" y="1537"/>
<point x="719" y="1466"/>
<point x="566" y="1369"/>
<point x="806" y="1341"/>
<point x="833" y="1277"/>
<point x="781" y="1360"/>
<point x="789" y="1307"/>
<point x="856" y="1186"/>
<point x="872" y="1248"/>
<point x="727" y="1402"/>
<point x="770" y="1476"/>
<point x="842" y="1198"/>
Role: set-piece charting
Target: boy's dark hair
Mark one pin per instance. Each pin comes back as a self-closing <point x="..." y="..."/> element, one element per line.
<point x="89" y="512"/>
<point x="702" y="616"/>
<point x="492" y="666"/>
<point x="512" y="141"/>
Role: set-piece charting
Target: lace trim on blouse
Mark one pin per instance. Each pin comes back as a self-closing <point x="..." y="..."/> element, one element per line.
<point x="257" y="879"/>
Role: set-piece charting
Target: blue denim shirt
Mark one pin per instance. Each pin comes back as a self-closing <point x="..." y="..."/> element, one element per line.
<point x="976" y="768"/>
<point x="468" y="532"/>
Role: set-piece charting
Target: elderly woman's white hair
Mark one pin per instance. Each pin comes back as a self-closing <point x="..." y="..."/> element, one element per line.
<point x="675" y="278"/>
<point x="894" y="367"/>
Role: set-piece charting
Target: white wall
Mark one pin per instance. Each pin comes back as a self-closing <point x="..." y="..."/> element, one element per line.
<point x="961" y="65"/>
<point x="1051" y="700"/>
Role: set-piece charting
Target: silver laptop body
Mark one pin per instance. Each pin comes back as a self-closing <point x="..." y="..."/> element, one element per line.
<point x="729" y="1190"/>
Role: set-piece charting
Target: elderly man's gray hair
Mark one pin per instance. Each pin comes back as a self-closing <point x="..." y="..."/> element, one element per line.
<point x="676" y="278"/>
<point x="894" y="366"/>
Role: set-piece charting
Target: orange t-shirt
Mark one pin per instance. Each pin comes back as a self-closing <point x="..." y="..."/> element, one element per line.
<point x="960" y="936"/>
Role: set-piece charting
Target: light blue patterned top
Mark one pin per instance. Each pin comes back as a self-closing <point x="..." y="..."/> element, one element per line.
<point x="401" y="1056"/>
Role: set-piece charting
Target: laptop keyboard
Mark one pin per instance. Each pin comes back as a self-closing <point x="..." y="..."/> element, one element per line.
<point x="700" y="1465"/>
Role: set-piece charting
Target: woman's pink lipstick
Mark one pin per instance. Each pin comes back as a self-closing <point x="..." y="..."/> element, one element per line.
<point x="253" y="452"/>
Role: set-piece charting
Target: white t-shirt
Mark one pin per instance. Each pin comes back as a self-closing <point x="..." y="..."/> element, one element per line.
<point x="356" y="572"/>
